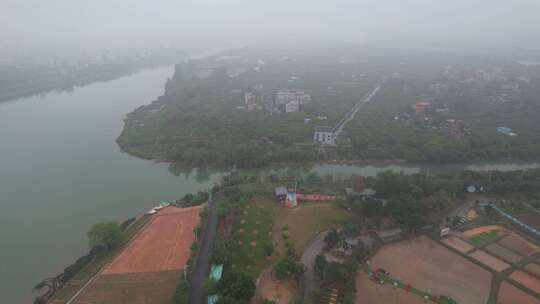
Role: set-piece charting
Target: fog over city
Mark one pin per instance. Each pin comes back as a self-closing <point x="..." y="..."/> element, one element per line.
<point x="415" y="23"/>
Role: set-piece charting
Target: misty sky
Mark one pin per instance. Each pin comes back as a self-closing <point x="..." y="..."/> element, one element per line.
<point x="480" y="23"/>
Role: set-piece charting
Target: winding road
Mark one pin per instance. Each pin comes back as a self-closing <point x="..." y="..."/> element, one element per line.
<point x="308" y="259"/>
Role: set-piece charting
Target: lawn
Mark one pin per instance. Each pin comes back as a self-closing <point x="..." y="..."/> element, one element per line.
<point x="252" y="230"/>
<point x="306" y="221"/>
<point x="75" y="283"/>
<point x="484" y="237"/>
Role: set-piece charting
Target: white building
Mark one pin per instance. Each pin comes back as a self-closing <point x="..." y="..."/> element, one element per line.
<point x="324" y="135"/>
<point x="285" y="96"/>
<point x="249" y="98"/>
<point x="292" y="106"/>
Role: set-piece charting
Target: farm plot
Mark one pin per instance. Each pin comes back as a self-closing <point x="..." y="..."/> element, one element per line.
<point x="533" y="268"/>
<point x="251" y="236"/>
<point x="369" y="292"/>
<point x="519" y="244"/>
<point x="305" y="222"/>
<point x="509" y="294"/>
<point x="489" y="260"/>
<point x="163" y="245"/>
<point x="427" y="265"/>
<point x="133" y="288"/>
<point x="531" y="219"/>
<point x="526" y="280"/>
<point x="458" y="244"/>
<point x="503" y="253"/>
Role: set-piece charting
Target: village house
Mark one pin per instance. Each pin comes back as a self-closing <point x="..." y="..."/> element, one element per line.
<point x="292" y="106"/>
<point x="324" y="135"/>
<point x="421" y="107"/>
<point x="285" y="96"/>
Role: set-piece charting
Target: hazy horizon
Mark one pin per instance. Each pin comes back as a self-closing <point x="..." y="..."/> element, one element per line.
<point x="460" y="24"/>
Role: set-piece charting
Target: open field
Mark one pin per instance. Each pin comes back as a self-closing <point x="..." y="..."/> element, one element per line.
<point x="533" y="268"/>
<point x="458" y="244"/>
<point x="162" y="246"/>
<point x="509" y="294"/>
<point x="503" y="253"/>
<point x="526" y="280"/>
<point x="519" y="245"/>
<point x="427" y="265"/>
<point x="251" y="232"/>
<point x="369" y="292"/>
<point x="133" y="288"/>
<point x="489" y="260"/>
<point x="306" y="221"/>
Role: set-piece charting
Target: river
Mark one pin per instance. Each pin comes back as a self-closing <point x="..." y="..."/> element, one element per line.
<point x="61" y="171"/>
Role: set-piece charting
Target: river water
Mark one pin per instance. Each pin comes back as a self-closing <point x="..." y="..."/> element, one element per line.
<point x="61" y="171"/>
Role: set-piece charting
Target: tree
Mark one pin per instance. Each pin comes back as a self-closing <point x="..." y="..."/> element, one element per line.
<point x="105" y="235"/>
<point x="320" y="265"/>
<point x="237" y="286"/>
<point x="289" y="268"/>
<point x="331" y="239"/>
<point x="268" y="248"/>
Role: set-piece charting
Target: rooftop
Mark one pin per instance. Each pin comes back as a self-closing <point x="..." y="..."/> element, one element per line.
<point x="324" y="129"/>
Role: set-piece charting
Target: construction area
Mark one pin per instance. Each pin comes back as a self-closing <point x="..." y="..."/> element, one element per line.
<point x="150" y="267"/>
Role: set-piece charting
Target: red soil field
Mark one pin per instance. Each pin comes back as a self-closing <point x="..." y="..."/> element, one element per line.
<point x="163" y="245"/>
<point x="132" y="288"/>
<point x="503" y="253"/>
<point x="526" y="280"/>
<point x="509" y="294"/>
<point x="533" y="268"/>
<point x="425" y="265"/>
<point x="458" y="244"/>
<point x="531" y="219"/>
<point x="369" y="292"/>
<point x="519" y="245"/>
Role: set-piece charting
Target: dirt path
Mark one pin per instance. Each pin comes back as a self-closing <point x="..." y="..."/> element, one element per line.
<point x="271" y="289"/>
<point x="308" y="258"/>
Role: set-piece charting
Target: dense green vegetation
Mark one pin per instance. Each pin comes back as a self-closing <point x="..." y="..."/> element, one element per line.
<point x="197" y="121"/>
<point x="377" y="134"/>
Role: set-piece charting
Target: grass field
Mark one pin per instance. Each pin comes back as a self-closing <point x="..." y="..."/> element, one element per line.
<point x="251" y="232"/>
<point x="484" y="237"/>
<point x="132" y="288"/>
<point x="73" y="285"/>
<point x="306" y="221"/>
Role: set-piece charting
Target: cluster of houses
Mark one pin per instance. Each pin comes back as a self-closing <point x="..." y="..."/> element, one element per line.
<point x="285" y="101"/>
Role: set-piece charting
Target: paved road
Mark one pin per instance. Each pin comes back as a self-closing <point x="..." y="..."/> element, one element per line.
<point x="350" y="115"/>
<point x="196" y="293"/>
<point x="308" y="258"/>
